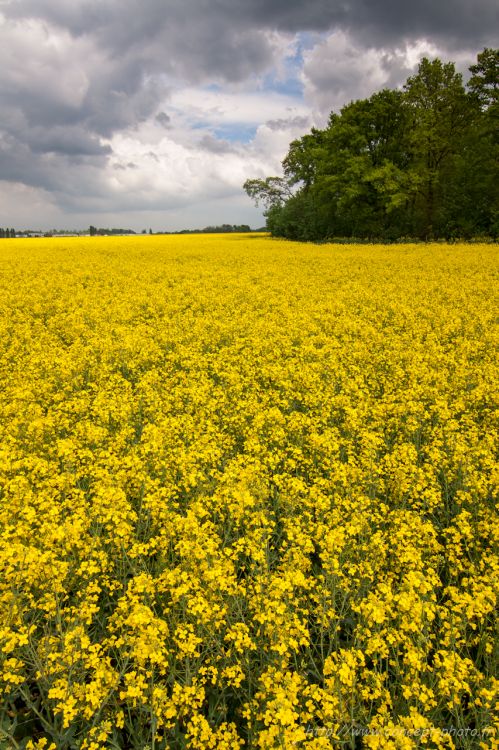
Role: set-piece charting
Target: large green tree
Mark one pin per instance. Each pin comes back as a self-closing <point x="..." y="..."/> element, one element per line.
<point x="418" y="162"/>
<point x="484" y="81"/>
<point x="483" y="187"/>
<point x="438" y="111"/>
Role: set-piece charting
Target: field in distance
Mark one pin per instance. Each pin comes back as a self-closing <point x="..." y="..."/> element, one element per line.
<point x="247" y="494"/>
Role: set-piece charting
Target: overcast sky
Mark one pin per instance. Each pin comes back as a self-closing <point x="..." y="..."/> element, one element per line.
<point x="152" y="113"/>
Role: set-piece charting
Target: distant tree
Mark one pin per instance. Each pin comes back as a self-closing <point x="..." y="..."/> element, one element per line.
<point x="2" y="233"/>
<point x="92" y="231"/>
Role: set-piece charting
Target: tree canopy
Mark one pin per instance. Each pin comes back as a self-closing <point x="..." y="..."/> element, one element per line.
<point x="419" y="162"/>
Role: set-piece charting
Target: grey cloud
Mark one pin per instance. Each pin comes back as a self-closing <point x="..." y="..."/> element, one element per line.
<point x="216" y="145"/>
<point x="68" y="141"/>
<point x="164" y="120"/>
<point x="106" y="111"/>
<point x="129" y="23"/>
<point x="291" y="122"/>
<point x="196" y="39"/>
<point x="80" y="16"/>
<point x="123" y="167"/>
<point x="67" y="177"/>
<point x="379" y="21"/>
<point x="451" y="23"/>
<point x="222" y="40"/>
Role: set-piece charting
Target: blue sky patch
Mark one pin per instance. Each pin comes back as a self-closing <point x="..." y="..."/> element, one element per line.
<point x="235" y="133"/>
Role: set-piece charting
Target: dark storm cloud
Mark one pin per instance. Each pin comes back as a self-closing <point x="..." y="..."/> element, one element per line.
<point x="209" y="40"/>
<point x="196" y="38"/>
<point x="69" y="141"/>
<point x="131" y="23"/>
<point x="197" y="41"/>
<point x="66" y="177"/>
<point x="384" y="21"/>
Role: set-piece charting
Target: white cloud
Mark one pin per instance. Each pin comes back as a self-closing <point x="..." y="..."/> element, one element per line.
<point x="156" y="169"/>
<point x="180" y="168"/>
<point x="15" y="197"/>
<point x="33" y="54"/>
<point x="216" y="108"/>
<point x="337" y="71"/>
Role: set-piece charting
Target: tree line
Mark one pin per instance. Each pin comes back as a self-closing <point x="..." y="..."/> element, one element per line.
<point x="419" y="162"/>
<point x="101" y="232"/>
<point x="6" y="233"/>
<point x="221" y="229"/>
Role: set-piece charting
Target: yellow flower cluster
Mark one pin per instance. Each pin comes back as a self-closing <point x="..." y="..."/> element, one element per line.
<point x="247" y="494"/>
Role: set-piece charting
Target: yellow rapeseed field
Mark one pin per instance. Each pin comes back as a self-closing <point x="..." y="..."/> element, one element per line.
<point x="247" y="494"/>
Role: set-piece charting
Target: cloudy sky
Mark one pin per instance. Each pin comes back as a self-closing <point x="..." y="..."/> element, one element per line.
<point x="152" y="113"/>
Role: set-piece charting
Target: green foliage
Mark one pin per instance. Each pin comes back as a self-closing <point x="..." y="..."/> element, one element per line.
<point x="273" y="191"/>
<point x="484" y="82"/>
<point x="421" y="162"/>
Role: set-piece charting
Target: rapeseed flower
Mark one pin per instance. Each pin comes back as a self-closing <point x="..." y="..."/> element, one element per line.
<point x="247" y="494"/>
